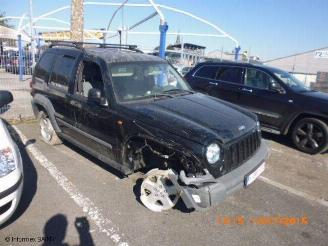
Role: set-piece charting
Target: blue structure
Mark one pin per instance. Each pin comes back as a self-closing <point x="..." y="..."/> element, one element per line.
<point x="237" y="50"/>
<point x="162" y="43"/>
<point x="20" y="58"/>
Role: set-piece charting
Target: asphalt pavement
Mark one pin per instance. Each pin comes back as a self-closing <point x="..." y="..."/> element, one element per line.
<point x="70" y="197"/>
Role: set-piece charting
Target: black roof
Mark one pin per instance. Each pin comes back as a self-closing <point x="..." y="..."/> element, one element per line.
<point x="233" y="63"/>
<point x="242" y="64"/>
<point x="116" y="55"/>
<point x="110" y="53"/>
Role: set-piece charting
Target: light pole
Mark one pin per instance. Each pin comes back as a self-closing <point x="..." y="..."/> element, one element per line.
<point x="32" y="32"/>
<point x="112" y="18"/>
<point x="120" y="34"/>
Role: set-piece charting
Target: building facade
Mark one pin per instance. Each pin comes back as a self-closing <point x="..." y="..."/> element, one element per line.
<point x="304" y="66"/>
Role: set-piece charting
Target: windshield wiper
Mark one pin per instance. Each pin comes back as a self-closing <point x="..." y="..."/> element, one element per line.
<point x="157" y="96"/>
<point x="179" y="90"/>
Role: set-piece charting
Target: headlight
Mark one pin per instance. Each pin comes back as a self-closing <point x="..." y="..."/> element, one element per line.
<point x="7" y="161"/>
<point x="258" y="126"/>
<point x="213" y="153"/>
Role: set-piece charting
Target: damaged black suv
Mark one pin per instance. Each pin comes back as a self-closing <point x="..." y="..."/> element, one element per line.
<point x="135" y="112"/>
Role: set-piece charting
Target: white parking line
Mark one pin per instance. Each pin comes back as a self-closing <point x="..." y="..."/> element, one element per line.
<point x="277" y="150"/>
<point x="293" y="191"/>
<point x="104" y="224"/>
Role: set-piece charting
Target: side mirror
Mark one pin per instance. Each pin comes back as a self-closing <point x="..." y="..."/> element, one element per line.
<point x="5" y="98"/>
<point x="274" y="86"/>
<point x="94" y="95"/>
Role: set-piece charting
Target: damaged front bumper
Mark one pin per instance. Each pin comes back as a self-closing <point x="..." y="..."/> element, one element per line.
<point x="209" y="195"/>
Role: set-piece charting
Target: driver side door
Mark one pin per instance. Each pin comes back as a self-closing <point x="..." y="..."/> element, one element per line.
<point x="96" y="122"/>
<point x="271" y="106"/>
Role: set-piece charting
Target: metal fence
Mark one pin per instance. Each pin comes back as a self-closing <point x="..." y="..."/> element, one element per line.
<point x="16" y="68"/>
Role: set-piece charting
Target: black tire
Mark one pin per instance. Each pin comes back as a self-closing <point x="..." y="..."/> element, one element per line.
<point x="48" y="135"/>
<point x="310" y="135"/>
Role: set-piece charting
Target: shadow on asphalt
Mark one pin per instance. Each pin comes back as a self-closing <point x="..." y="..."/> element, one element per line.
<point x="136" y="189"/>
<point x="93" y="159"/>
<point x="30" y="178"/>
<point x="4" y="109"/>
<point x="55" y="231"/>
<point x="284" y="140"/>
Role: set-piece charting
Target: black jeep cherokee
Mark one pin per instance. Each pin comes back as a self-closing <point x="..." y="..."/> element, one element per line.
<point x="134" y="112"/>
<point x="283" y="104"/>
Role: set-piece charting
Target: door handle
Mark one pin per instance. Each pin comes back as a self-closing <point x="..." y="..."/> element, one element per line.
<point x="213" y="83"/>
<point x="247" y="90"/>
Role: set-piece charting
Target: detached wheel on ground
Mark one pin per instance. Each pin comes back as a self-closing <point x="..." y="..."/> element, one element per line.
<point x="47" y="131"/>
<point x="158" y="190"/>
<point x="310" y="135"/>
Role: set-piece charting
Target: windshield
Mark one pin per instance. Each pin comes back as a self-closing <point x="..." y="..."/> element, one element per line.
<point x="143" y="80"/>
<point x="290" y="81"/>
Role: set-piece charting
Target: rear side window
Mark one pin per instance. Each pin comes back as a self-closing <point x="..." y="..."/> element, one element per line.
<point x="208" y="72"/>
<point x="62" y="71"/>
<point x="42" y="70"/>
<point x="230" y="74"/>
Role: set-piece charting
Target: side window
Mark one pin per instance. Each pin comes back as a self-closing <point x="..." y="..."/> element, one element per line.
<point x="258" y="79"/>
<point x="230" y="74"/>
<point x="62" y="71"/>
<point x="43" y="68"/>
<point x="208" y="72"/>
<point x="90" y="77"/>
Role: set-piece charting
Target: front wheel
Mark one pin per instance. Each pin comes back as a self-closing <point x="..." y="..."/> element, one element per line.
<point x="310" y="135"/>
<point x="159" y="190"/>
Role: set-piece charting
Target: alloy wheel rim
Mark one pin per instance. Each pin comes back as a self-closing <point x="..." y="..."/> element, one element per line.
<point x="158" y="192"/>
<point x="310" y="136"/>
<point x="46" y="129"/>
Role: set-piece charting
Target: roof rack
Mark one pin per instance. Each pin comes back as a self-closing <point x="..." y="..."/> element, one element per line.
<point x="79" y="45"/>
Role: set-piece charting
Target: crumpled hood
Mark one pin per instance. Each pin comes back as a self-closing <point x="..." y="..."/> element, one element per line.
<point x="197" y="117"/>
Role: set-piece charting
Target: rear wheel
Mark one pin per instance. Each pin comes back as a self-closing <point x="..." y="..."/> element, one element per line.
<point x="310" y="135"/>
<point x="47" y="131"/>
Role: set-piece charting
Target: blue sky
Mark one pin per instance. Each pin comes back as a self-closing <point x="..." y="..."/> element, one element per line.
<point x="268" y="28"/>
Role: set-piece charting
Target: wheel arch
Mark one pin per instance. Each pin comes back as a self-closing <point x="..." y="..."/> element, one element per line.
<point x="41" y="103"/>
<point x="141" y="139"/>
<point x="177" y="155"/>
<point x="144" y="140"/>
<point x="301" y="116"/>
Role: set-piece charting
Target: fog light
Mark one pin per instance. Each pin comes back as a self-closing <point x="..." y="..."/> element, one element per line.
<point x="196" y="198"/>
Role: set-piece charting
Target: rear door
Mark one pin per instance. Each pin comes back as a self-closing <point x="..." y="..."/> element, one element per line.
<point x="203" y="77"/>
<point x="270" y="106"/>
<point x="218" y="80"/>
<point x="229" y="82"/>
<point x="59" y="88"/>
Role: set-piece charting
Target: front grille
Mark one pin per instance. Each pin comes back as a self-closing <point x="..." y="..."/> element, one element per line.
<point x="239" y="152"/>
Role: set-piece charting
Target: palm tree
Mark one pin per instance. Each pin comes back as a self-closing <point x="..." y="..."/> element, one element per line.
<point x="5" y="21"/>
